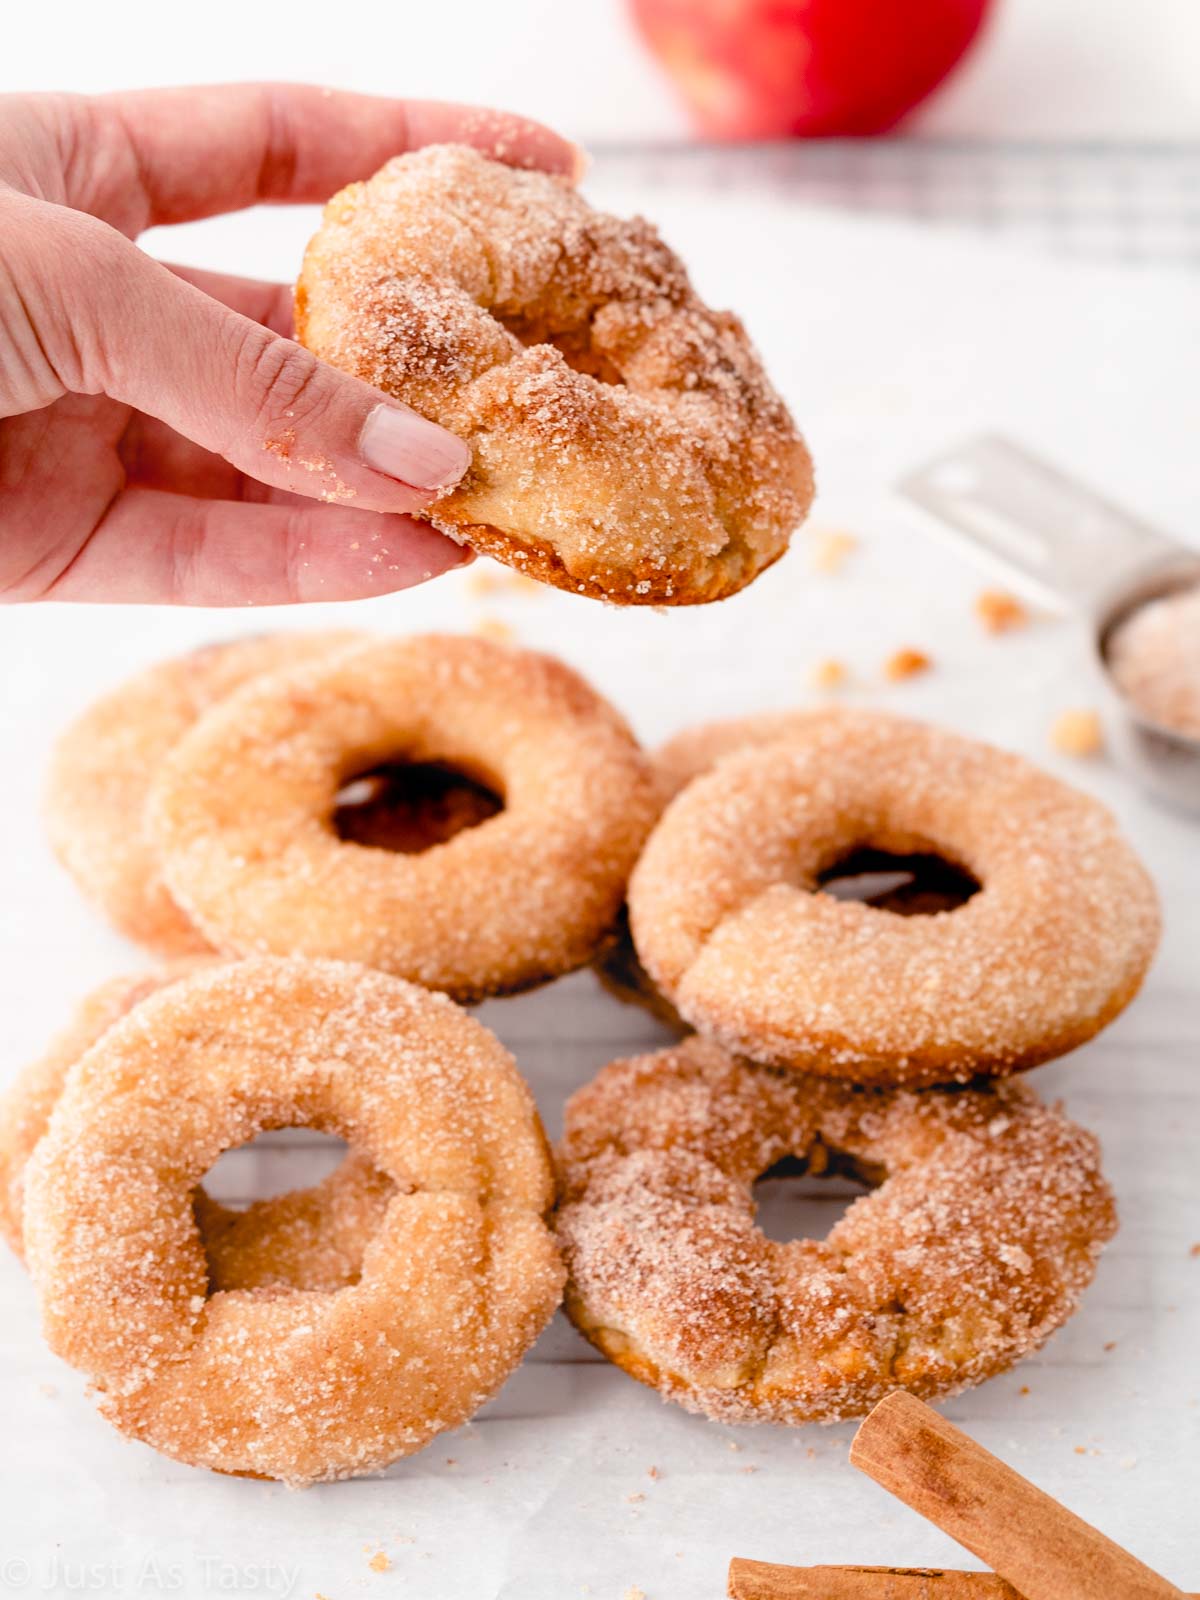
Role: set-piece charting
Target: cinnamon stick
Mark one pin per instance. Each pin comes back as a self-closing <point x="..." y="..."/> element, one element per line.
<point x="1045" y="1551"/>
<point x="765" y="1580"/>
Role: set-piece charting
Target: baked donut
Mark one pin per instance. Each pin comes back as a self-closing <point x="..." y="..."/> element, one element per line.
<point x="988" y="1214"/>
<point x="685" y="755"/>
<point x="626" y="443"/>
<point x="310" y="1238"/>
<point x="1052" y="946"/>
<point x="281" y="1382"/>
<point x="676" y="762"/>
<point x="103" y="765"/>
<point x="241" y="815"/>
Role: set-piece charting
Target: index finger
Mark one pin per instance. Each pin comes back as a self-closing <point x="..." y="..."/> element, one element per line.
<point x="197" y="152"/>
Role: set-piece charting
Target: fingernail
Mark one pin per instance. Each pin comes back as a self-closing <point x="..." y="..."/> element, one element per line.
<point x="412" y="449"/>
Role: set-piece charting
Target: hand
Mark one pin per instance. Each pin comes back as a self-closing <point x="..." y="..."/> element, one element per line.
<point x="161" y="436"/>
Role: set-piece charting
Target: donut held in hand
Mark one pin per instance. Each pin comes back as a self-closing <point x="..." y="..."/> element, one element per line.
<point x="626" y="442"/>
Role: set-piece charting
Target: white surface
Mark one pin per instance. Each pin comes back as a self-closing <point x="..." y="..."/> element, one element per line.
<point x="889" y="344"/>
<point x="1046" y="68"/>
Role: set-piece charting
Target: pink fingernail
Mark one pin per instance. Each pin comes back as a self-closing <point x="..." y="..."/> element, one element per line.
<point x="412" y="449"/>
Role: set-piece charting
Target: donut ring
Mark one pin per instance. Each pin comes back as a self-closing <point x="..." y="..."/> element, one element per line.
<point x="695" y="750"/>
<point x="310" y="1238"/>
<point x="1055" y="943"/>
<point x="241" y="815"/>
<point x="285" y="1383"/>
<point x="626" y="443"/>
<point x="104" y="763"/>
<point x="683" y="757"/>
<point x="985" y="1227"/>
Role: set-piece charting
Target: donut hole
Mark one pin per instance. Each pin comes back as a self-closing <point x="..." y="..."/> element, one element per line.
<point x="573" y="344"/>
<point x="804" y="1198"/>
<point x="918" y="883"/>
<point x="410" y="806"/>
<point x="274" y="1163"/>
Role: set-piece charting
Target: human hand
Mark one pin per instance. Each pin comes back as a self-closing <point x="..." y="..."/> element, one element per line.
<point x="161" y="436"/>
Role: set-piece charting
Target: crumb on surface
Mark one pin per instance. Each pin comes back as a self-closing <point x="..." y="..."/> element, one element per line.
<point x="488" y="581"/>
<point x="379" y="1562"/>
<point x="999" y="611"/>
<point x="1077" y="733"/>
<point x="830" y="548"/>
<point x="634" y="1593"/>
<point x="906" y="663"/>
<point x="494" y="628"/>
<point x="828" y="674"/>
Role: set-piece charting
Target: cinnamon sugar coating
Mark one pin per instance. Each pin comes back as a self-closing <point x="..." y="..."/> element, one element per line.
<point x="104" y="763"/>
<point x="285" y="1382"/>
<point x="989" y="1214"/>
<point x="308" y="1239"/>
<point x="626" y="443"/>
<point x="242" y="815"/>
<point x="726" y="920"/>
<point x="684" y="756"/>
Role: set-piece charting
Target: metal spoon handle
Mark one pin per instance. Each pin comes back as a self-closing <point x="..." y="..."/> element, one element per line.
<point x="1065" y="545"/>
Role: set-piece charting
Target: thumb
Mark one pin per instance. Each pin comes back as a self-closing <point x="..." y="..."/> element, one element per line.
<point x="156" y="342"/>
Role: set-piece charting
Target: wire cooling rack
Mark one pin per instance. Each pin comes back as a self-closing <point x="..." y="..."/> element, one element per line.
<point x="1132" y="203"/>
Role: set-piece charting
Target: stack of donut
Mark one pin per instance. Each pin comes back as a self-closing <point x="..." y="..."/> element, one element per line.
<point x="335" y="839"/>
<point x="338" y="839"/>
<point x="853" y="1038"/>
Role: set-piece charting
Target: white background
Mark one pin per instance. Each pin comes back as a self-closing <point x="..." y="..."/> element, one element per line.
<point x="1047" y="68"/>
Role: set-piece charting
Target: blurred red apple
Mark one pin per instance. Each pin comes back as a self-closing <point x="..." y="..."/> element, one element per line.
<point x="768" y="69"/>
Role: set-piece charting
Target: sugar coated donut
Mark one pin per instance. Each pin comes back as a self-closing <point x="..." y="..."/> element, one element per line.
<point x="694" y="750"/>
<point x="310" y="1238"/>
<point x="1052" y="946"/>
<point x="104" y="763"/>
<point x="984" y="1228"/>
<point x="626" y="442"/>
<point x="283" y="1382"/>
<point x="242" y="810"/>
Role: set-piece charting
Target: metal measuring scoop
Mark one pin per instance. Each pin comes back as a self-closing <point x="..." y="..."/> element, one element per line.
<point x="1074" y="552"/>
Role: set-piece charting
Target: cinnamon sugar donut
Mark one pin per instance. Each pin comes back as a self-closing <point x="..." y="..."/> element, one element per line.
<point x="626" y="442"/>
<point x="1052" y="946"/>
<point x="310" y="1238"/>
<point x="104" y="763"/>
<point x="283" y="1382"/>
<point x="685" y="755"/>
<point x="681" y="758"/>
<point x="241" y="815"/>
<point x="989" y="1214"/>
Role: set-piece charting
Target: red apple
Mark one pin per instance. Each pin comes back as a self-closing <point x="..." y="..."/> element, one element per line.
<point x="769" y="69"/>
